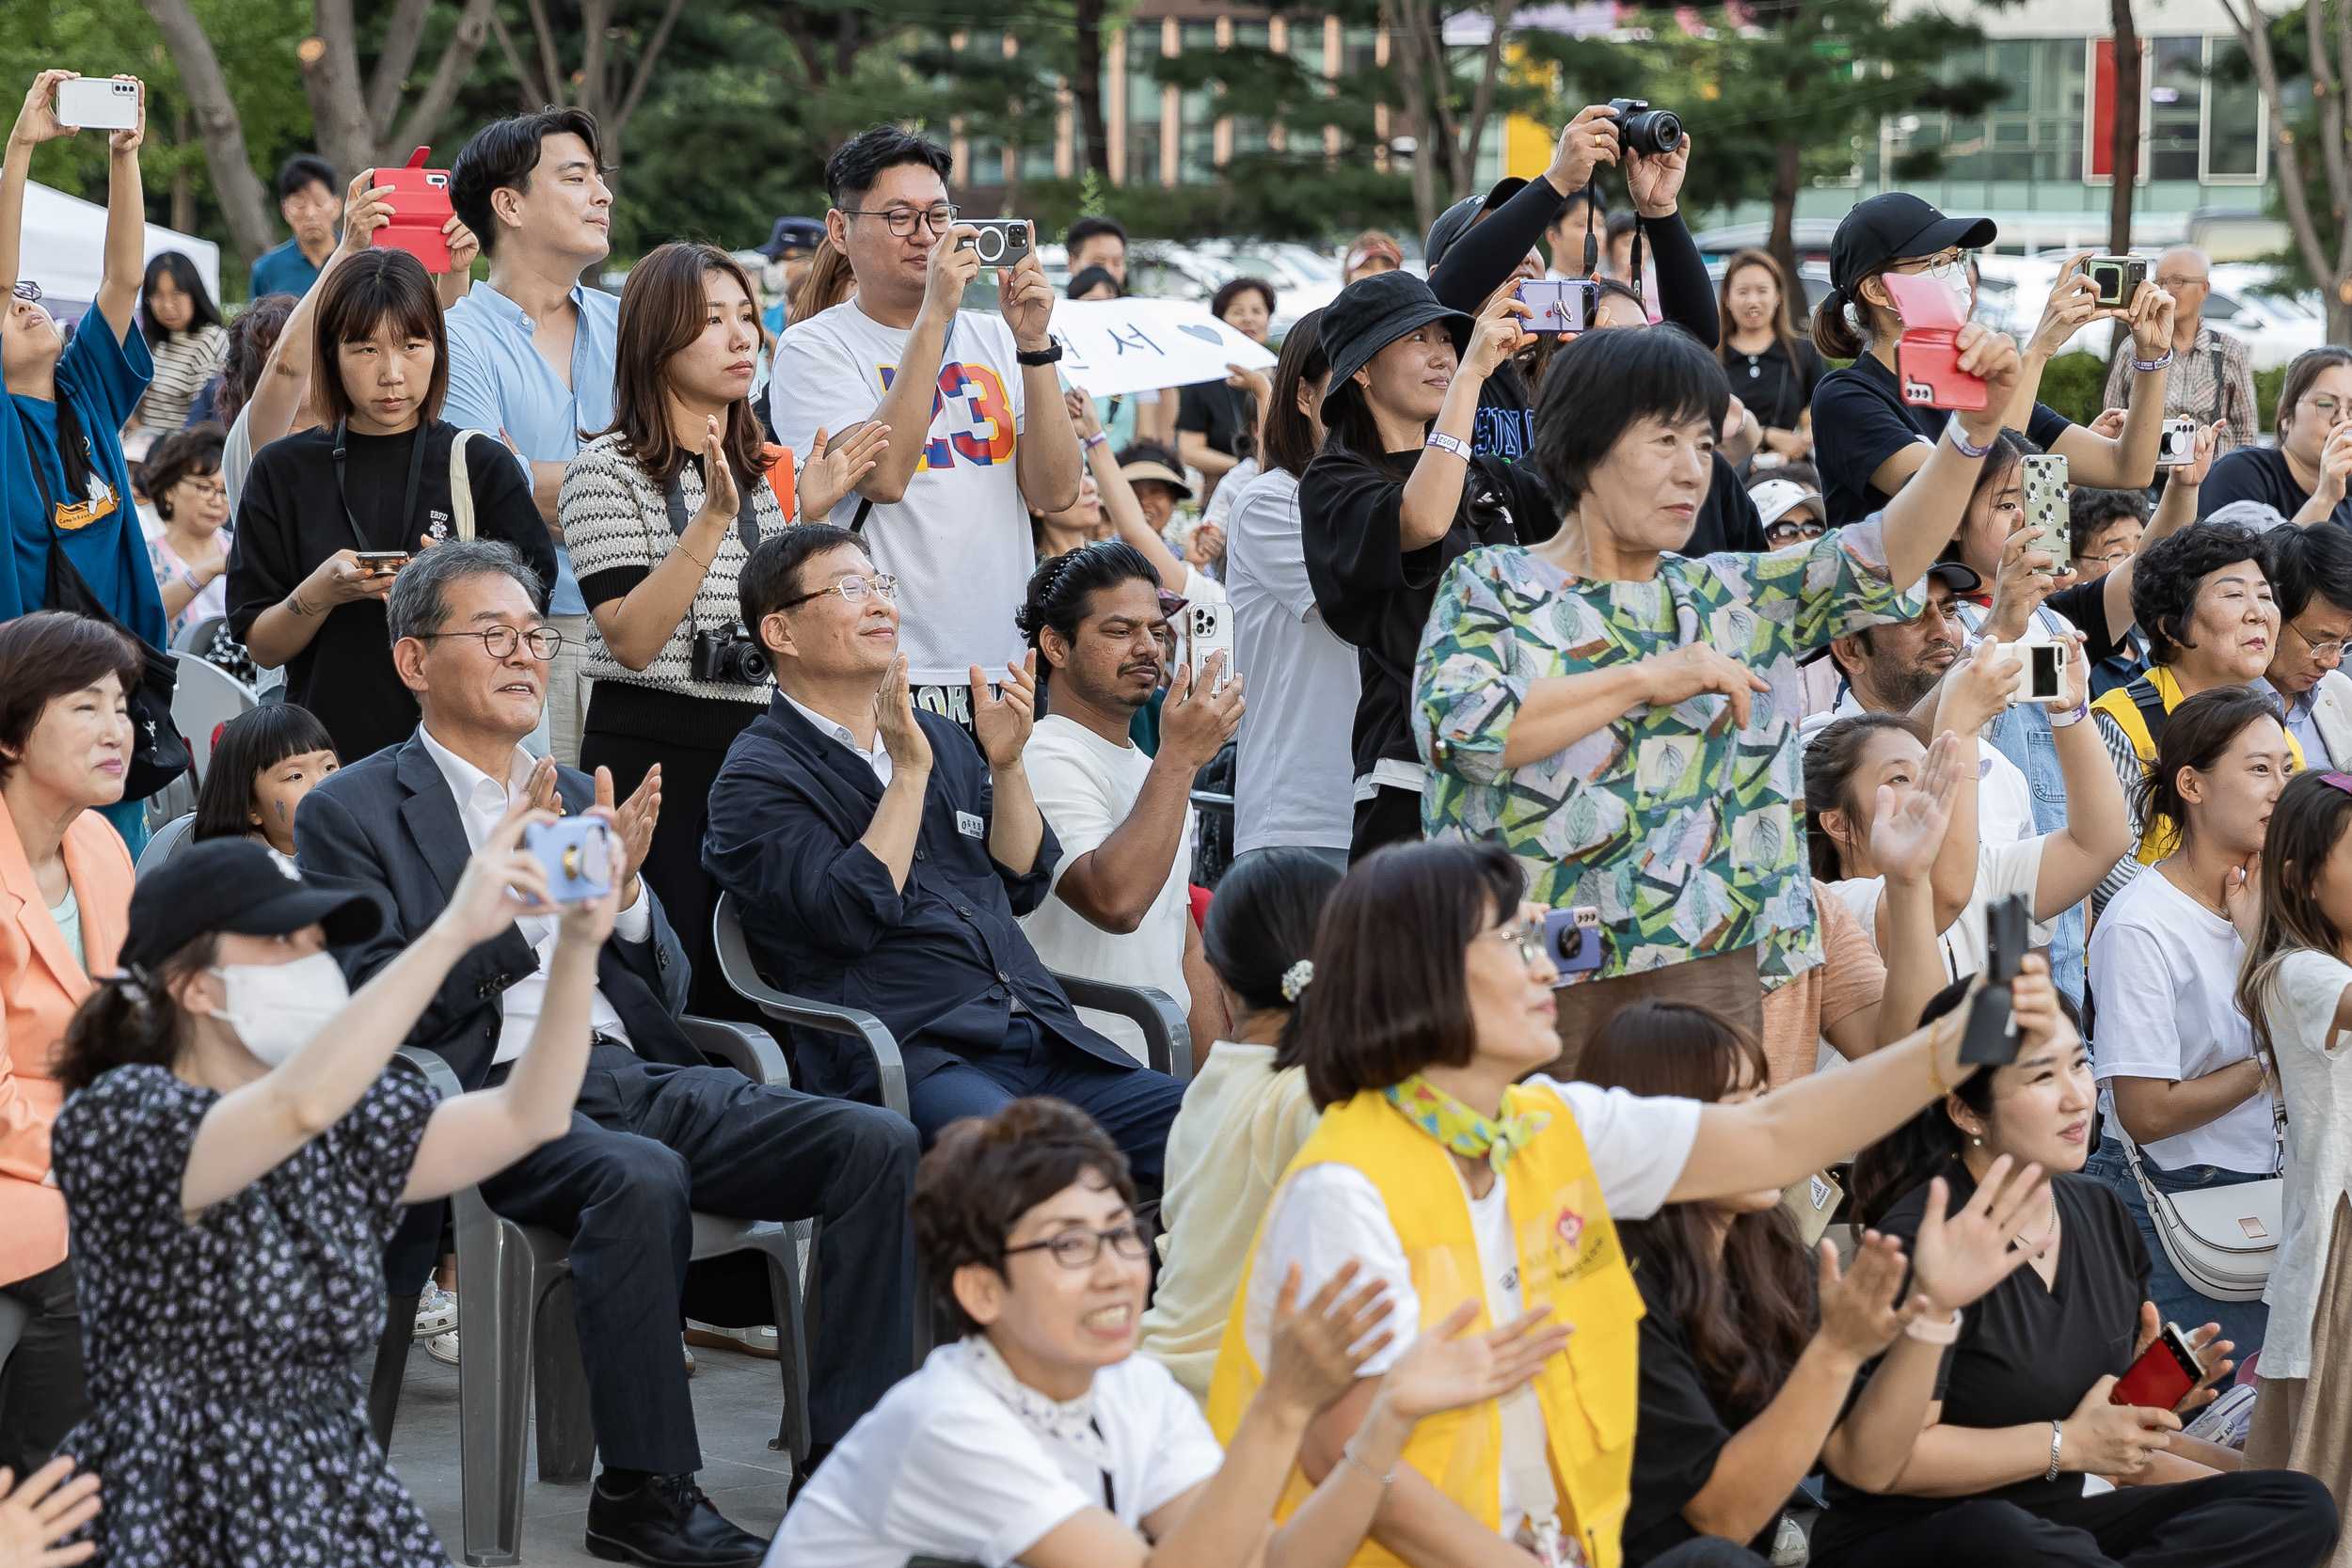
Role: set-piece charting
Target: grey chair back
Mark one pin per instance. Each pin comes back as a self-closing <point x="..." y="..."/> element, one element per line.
<point x="166" y="841"/>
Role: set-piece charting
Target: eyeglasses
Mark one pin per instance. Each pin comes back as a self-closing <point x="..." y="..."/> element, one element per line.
<point x="500" y="641"/>
<point x="1078" y="1248"/>
<point x="1778" y="534"/>
<point x="903" y="219"/>
<point x="2325" y="652"/>
<point x="2174" y="285"/>
<point x="1944" y="269"/>
<point x="2325" y="408"/>
<point x="853" y="590"/>
<point x="1525" y="935"/>
<point x="28" y="289"/>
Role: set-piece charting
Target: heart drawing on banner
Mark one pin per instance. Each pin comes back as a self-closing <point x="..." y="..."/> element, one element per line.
<point x="1206" y="334"/>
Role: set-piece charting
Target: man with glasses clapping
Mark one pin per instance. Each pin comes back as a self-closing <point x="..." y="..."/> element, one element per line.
<point x="979" y="431"/>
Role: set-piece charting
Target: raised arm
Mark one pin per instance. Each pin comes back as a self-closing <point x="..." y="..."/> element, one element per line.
<point x="2176" y="511"/>
<point x="35" y="122"/>
<point x="907" y="405"/>
<point x="2098" y="832"/>
<point x="285" y="379"/>
<point x="898" y="820"/>
<point x="1003" y="724"/>
<point x="251" y="1130"/>
<point x="1772" y="1141"/>
<point x="1484" y="258"/>
<point x="1434" y="492"/>
<point x="117" y="298"/>
<point x="1907" y="836"/>
<point x="1119" y="497"/>
<point x="1047" y="456"/>
<point x="1927" y="511"/>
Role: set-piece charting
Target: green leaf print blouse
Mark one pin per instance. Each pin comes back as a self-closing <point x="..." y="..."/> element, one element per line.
<point x="1687" y="835"/>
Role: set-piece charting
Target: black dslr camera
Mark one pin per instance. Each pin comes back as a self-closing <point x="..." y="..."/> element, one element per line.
<point x="1642" y="129"/>
<point x="730" y="654"/>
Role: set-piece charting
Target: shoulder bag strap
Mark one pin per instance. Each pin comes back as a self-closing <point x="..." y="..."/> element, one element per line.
<point x="460" y="487"/>
<point x="2145" y="697"/>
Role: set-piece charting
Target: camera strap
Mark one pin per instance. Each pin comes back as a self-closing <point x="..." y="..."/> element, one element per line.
<point x="1592" y="205"/>
<point x="408" y="501"/>
<point x="746" y="509"/>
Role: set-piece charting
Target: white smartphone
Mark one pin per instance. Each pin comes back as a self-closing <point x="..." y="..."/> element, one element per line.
<point x="1209" y="629"/>
<point x="98" y="103"/>
<point x="2046" y="671"/>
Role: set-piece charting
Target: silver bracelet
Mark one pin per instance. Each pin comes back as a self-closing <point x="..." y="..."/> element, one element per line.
<point x="1454" y="443"/>
<point x="2144" y="365"/>
<point x="1347" y="1451"/>
<point x="2058" y="1433"/>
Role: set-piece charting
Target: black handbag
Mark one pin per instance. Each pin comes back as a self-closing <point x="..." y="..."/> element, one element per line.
<point x="158" y="753"/>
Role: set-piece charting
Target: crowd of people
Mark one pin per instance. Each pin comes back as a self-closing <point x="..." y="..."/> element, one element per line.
<point x="1683" y="873"/>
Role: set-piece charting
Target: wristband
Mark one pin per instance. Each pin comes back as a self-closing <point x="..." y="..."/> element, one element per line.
<point x="2057" y="1433"/>
<point x="1945" y="1333"/>
<point x="1347" y="1451"/>
<point x="1961" y="442"/>
<point x="189" y="577"/>
<point x="2067" y="720"/>
<point x="1048" y="356"/>
<point x="2145" y="365"/>
<point x="1454" y="443"/>
<point x="1100" y="438"/>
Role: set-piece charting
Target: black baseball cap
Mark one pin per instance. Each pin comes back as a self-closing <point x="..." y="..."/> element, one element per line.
<point x="1893" y="225"/>
<point x="792" y="234"/>
<point x="1456" y="220"/>
<point x="240" y="885"/>
<point x="1374" y="311"/>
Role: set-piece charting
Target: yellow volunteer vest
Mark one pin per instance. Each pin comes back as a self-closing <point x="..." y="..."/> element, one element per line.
<point x="1568" y="1255"/>
<point x="2158" y="839"/>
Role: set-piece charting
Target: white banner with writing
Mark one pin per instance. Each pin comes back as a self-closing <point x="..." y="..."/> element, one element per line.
<point x="1134" y="345"/>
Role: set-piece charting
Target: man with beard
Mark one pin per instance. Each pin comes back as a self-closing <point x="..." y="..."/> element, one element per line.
<point x="1895" y="669"/>
<point x="1120" y="909"/>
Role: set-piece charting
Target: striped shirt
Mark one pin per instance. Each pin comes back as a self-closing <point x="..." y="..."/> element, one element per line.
<point x="183" y="362"/>
<point x="617" y="521"/>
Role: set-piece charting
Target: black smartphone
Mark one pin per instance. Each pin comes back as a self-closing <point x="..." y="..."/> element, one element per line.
<point x="382" y="562"/>
<point x="1992" y="1038"/>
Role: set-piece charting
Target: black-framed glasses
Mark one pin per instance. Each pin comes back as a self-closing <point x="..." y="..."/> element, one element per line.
<point x="28" y="289"/>
<point x="903" y="219"/>
<point x="500" y="641"/>
<point x="853" y="589"/>
<point x="1079" y="1247"/>
<point x="1788" y="532"/>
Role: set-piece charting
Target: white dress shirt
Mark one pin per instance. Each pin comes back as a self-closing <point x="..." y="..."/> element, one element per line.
<point x="878" y="759"/>
<point x="482" y="804"/>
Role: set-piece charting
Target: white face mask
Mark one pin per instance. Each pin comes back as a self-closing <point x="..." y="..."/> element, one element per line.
<point x="276" y="1008"/>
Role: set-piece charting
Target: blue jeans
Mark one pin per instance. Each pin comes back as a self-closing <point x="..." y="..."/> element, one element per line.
<point x="2243" y="1323"/>
<point x="1134" y="1105"/>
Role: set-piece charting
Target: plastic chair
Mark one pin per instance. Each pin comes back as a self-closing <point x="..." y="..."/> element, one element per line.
<point x="207" y="698"/>
<point x="14" y="1315"/>
<point x="168" y="841"/>
<point x="520" y="1341"/>
<point x="196" y="635"/>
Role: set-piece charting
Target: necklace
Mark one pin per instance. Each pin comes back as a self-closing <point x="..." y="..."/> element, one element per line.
<point x="2047" y="1232"/>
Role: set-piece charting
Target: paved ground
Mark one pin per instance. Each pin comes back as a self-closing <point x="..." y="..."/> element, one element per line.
<point x="736" y="1400"/>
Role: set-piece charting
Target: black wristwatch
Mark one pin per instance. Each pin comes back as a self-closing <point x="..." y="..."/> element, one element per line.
<point x="1051" y="355"/>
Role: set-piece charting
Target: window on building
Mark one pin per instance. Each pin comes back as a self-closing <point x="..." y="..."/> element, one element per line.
<point x="2176" y="106"/>
<point x="1195" y="158"/>
<point x="2035" y="134"/>
<point x="2235" y="137"/>
<point x="1249" y="130"/>
<point x="1143" y="108"/>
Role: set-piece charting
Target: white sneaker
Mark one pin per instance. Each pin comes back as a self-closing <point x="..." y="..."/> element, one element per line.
<point x="437" y="1313"/>
<point x="443" y="1347"/>
<point x="689" y="1351"/>
<point x="761" y="1341"/>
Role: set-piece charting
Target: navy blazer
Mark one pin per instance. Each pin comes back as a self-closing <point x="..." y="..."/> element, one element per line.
<point x="388" y="826"/>
<point x="938" y="962"/>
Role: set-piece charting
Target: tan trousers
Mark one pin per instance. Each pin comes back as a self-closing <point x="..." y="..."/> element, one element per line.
<point x="1725" y="982"/>
<point x="567" y="690"/>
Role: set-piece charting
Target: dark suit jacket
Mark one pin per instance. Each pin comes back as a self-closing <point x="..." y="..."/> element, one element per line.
<point x="940" y="960"/>
<point x="388" y="825"/>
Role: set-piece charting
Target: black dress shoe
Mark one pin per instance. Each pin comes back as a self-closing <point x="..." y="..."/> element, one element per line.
<point x="667" y="1523"/>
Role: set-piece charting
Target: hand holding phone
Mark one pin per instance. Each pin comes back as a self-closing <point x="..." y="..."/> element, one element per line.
<point x="576" y="852"/>
<point x="1992" y="1037"/>
<point x="2163" y="1376"/>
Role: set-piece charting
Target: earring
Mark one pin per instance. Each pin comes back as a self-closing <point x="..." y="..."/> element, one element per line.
<point x="1976" y="1143"/>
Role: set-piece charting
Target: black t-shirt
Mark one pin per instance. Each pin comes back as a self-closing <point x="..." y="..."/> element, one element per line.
<point x="1728" y="518"/>
<point x="291" y="517"/>
<point x="1679" y="1434"/>
<point x="1777" y="388"/>
<point x="2027" y="1353"/>
<point x="2260" y="474"/>
<point x="1220" y="412"/>
<point x="2086" y="605"/>
<point x="1378" y="597"/>
<point x="1860" y="419"/>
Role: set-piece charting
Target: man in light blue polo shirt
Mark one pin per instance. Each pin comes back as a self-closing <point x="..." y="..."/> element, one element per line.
<point x="311" y="205"/>
<point x="530" y="350"/>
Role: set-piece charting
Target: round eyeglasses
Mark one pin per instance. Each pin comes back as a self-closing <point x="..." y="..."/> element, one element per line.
<point x="501" y="642"/>
<point x="1078" y="1248"/>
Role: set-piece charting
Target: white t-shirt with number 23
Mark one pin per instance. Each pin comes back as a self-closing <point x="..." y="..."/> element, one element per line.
<point x="958" y="540"/>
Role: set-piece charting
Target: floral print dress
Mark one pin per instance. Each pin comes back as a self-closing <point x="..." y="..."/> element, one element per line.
<point x="1686" y="833"/>
<point x="227" y="1425"/>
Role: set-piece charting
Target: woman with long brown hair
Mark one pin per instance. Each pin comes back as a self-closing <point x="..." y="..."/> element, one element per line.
<point x="1749" y="1345"/>
<point x="1773" y="369"/>
<point x="661" y="510"/>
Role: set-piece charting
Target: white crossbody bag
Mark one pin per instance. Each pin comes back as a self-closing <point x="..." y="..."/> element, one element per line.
<point x="2222" y="1241"/>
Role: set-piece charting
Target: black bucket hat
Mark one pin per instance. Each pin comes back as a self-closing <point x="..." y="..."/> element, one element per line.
<point x="240" y="885"/>
<point x="1893" y="225"/>
<point x="1373" y="312"/>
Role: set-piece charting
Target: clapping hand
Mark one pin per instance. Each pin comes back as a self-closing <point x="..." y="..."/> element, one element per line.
<point x="632" y="822"/>
<point x="1315" y="1353"/>
<point x="1446" y="1367"/>
<point x="2242" y="898"/>
<point x="720" y="497"/>
<point x="1864" y="1311"/>
<point x="908" y="748"/>
<point x="835" y="465"/>
<point x="1907" y="832"/>
<point x="1958" y="1258"/>
<point x="1002" y="723"/>
<point x="40" y="1512"/>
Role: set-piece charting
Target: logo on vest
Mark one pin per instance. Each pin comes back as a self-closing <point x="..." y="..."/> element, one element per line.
<point x="1579" y="1247"/>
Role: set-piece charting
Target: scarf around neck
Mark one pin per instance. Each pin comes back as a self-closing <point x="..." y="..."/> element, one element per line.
<point x="1071" y="1422"/>
<point x="1461" y="1129"/>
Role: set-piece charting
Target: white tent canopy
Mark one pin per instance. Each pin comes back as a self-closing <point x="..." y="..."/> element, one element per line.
<point x="64" y="249"/>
